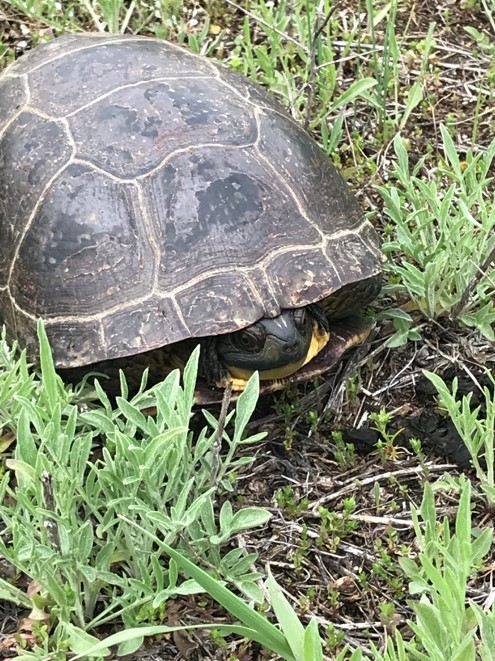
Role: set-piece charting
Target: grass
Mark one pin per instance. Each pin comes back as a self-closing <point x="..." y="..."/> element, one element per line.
<point x="64" y="521"/>
<point x="383" y="558"/>
<point x="443" y="230"/>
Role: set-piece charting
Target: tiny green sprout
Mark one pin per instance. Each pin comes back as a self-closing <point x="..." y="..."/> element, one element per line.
<point x="290" y="503"/>
<point x="345" y="453"/>
<point x="417" y="448"/>
<point x="263" y="607"/>
<point x="150" y="615"/>
<point x="387" y="448"/>
<point x="288" y="406"/>
<point x="218" y="639"/>
<point x="385" y="568"/>
<point x="364" y="579"/>
<point x="451" y="124"/>
<point x="397" y="585"/>
<point x="333" y="528"/>
<point x="333" y="598"/>
<point x="389" y="229"/>
<point x="301" y="552"/>
<point x="313" y="418"/>
<point x="349" y="505"/>
<point x="387" y="609"/>
<point x="394" y="507"/>
<point x="377" y="490"/>
<point x="388" y="616"/>
<point x="289" y="438"/>
<point x="352" y="388"/>
<point x="381" y="420"/>
<point x="379" y="570"/>
<point x="40" y="632"/>
<point x="306" y="600"/>
<point x="335" y="638"/>
<point x="284" y="495"/>
<point x="392" y="536"/>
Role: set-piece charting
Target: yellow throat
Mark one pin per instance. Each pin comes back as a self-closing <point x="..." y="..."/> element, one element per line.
<point x="239" y="377"/>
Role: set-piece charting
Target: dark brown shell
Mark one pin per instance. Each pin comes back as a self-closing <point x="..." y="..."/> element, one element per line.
<point x="148" y="195"/>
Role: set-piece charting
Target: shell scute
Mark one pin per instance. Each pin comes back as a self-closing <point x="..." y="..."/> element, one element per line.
<point x="13" y="98"/>
<point x="353" y="253"/>
<point x="84" y="249"/>
<point x="215" y="212"/>
<point x="97" y="67"/>
<point x="311" y="175"/>
<point x="224" y="301"/>
<point x="72" y="343"/>
<point x="32" y="151"/>
<point x="136" y="328"/>
<point x="303" y="276"/>
<point x="131" y="131"/>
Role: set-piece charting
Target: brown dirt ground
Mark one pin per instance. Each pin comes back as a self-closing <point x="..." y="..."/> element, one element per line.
<point x="340" y="567"/>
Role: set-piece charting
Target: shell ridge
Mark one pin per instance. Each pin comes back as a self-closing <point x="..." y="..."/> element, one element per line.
<point x="189" y="150"/>
<point x="25" y="83"/>
<point x="41" y="113"/>
<point x="159" y="79"/>
<point x="262" y="263"/>
<point x="20" y="309"/>
<point x="247" y="99"/>
<point x="32" y="216"/>
<point x="180" y="314"/>
<point x="299" y="204"/>
<point x="356" y="231"/>
<point x="171" y="295"/>
<point x="96" y="168"/>
<point x="151" y="236"/>
<point x="87" y="46"/>
<point x="98" y="316"/>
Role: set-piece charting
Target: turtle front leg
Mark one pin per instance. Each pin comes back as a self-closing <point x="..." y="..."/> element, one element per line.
<point x="210" y="366"/>
<point x="318" y="314"/>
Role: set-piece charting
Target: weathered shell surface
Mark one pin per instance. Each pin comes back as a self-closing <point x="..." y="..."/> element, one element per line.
<point x="148" y="195"/>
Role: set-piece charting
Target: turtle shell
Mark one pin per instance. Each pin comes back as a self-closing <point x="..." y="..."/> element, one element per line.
<point x="149" y="195"/>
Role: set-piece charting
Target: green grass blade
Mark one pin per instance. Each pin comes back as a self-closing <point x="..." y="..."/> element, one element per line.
<point x="122" y="637"/>
<point x="286" y="615"/>
<point x="313" y="650"/>
<point x="273" y="639"/>
<point x="49" y="377"/>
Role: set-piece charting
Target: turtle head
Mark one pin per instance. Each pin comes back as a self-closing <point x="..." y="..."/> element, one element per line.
<point x="273" y="347"/>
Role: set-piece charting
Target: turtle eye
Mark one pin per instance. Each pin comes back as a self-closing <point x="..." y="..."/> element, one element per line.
<point x="302" y="320"/>
<point x="248" y="340"/>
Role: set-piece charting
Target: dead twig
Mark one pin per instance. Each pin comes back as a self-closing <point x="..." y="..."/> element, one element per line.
<point x="217" y="444"/>
<point x="99" y="25"/>
<point x="313" y="67"/>
<point x="259" y="20"/>
<point x="405" y="472"/>
<point x="369" y="518"/>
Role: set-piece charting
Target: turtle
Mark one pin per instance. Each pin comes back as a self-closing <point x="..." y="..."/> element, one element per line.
<point x="152" y="199"/>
